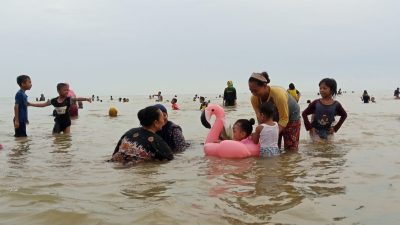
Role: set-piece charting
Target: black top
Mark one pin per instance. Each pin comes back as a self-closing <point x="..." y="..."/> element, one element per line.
<point x="230" y="96"/>
<point x="61" y="110"/>
<point x="172" y="134"/>
<point x="139" y="144"/>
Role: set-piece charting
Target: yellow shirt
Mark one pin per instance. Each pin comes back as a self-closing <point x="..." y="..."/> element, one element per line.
<point x="279" y="97"/>
<point x="294" y="94"/>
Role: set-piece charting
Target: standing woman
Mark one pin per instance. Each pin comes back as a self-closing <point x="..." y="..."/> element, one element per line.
<point x="287" y="111"/>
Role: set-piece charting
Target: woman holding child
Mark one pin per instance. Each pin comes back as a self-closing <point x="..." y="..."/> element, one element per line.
<point x="142" y="143"/>
<point x="287" y="112"/>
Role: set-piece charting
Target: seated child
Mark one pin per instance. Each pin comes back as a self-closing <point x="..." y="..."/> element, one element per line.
<point x="267" y="133"/>
<point x="174" y="105"/>
<point x="242" y="130"/>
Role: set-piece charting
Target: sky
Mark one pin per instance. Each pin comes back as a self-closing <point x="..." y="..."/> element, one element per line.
<point x="130" y="47"/>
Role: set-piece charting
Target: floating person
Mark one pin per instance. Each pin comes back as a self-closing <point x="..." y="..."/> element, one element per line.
<point x="365" y="97"/>
<point x="111" y="98"/>
<point x="159" y="97"/>
<point x="195" y="97"/>
<point x="229" y="94"/>
<point x="142" y="143"/>
<point x="203" y="103"/>
<point x="396" y="93"/>
<point x="373" y="100"/>
<point x="339" y="92"/>
<point x="42" y="98"/>
<point x="324" y="111"/>
<point x="174" y="104"/>
<point x="294" y="92"/>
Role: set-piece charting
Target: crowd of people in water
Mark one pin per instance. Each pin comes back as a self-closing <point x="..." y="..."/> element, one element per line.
<point x="276" y="110"/>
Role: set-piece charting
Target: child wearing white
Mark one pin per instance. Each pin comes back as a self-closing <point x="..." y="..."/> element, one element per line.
<point x="267" y="133"/>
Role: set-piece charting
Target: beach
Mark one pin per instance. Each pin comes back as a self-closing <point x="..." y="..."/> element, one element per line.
<point x="65" y="179"/>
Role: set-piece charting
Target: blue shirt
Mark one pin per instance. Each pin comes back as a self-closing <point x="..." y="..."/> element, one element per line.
<point x="21" y="99"/>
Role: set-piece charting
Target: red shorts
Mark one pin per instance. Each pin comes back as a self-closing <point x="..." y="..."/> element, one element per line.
<point x="291" y="135"/>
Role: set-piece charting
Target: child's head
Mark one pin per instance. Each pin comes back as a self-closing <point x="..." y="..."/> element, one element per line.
<point x="327" y="87"/>
<point x="242" y="129"/>
<point x="174" y="100"/>
<point x="202" y="99"/>
<point x="24" y="82"/>
<point x="291" y="86"/>
<point x="62" y="89"/>
<point x="267" y="111"/>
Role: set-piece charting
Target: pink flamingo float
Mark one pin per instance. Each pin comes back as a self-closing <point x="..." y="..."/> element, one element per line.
<point x="227" y="148"/>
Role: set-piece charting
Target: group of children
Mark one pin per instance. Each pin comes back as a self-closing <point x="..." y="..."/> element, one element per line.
<point x="323" y="111"/>
<point x="62" y="106"/>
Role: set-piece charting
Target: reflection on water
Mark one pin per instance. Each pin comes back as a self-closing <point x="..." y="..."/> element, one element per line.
<point x="19" y="154"/>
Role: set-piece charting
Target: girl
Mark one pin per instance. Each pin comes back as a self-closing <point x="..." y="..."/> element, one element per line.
<point x="174" y="104"/>
<point x="324" y="111"/>
<point x="242" y="130"/>
<point x="267" y="133"/>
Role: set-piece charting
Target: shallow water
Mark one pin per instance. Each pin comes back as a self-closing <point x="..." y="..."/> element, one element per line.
<point x="64" y="179"/>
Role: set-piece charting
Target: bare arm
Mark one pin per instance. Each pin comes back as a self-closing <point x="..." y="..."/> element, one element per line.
<point x="256" y="134"/>
<point x="45" y="104"/>
<point x="16" y="116"/>
<point x="81" y="99"/>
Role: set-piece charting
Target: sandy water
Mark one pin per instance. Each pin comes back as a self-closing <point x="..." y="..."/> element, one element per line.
<point x="64" y="179"/>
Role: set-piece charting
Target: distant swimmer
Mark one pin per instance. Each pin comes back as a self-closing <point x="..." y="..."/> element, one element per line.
<point x="396" y="93"/>
<point x="229" y="94"/>
<point x="365" y="97"/>
<point x="294" y="92"/>
<point x="159" y="97"/>
<point x="174" y="104"/>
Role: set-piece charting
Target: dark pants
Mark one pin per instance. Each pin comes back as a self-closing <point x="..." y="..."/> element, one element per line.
<point x="21" y="130"/>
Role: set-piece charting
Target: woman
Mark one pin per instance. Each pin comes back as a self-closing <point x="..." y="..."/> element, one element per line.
<point x="287" y="110"/>
<point x="142" y="143"/>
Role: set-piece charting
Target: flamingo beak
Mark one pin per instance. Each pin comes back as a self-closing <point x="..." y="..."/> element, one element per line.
<point x="205" y="119"/>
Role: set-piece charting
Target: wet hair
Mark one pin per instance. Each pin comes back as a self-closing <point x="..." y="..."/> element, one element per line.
<point x="259" y="82"/>
<point x="174" y="99"/>
<point x="267" y="108"/>
<point x="148" y="115"/>
<point x="331" y="83"/>
<point x="291" y="86"/>
<point x="61" y="85"/>
<point x="22" y="79"/>
<point x="246" y="125"/>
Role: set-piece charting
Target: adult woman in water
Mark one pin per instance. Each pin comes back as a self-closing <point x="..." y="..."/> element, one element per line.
<point x="287" y="108"/>
<point x="142" y="143"/>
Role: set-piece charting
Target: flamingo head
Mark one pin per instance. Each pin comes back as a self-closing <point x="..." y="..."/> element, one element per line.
<point x="212" y="109"/>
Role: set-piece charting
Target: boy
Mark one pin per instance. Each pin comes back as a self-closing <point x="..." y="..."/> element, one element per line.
<point x="62" y="104"/>
<point x="21" y="106"/>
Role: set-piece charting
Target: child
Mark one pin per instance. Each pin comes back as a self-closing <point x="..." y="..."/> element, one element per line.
<point x="294" y="92"/>
<point x="242" y="130"/>
<point x="203" y="103"/>
<point x="324" y="111"/>
<point x="174" y="105"/>
<point x="21" y="106"/>
<point x="267" y="133"/>
<point x="62" y="105"/>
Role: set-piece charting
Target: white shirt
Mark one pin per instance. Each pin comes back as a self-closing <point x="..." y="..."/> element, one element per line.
<point x="269" y="135"/>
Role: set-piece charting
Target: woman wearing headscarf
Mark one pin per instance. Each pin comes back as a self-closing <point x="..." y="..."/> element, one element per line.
<point x="287" y="110"/>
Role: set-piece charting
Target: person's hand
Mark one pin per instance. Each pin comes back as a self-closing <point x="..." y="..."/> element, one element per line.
<point x="331" y="130"/>
<point x="312" y="131"/>
<point x="16" y="124"/>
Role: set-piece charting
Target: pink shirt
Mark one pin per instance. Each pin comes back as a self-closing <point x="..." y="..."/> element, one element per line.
<point x="247" y="141"/>
<point x="175" y="106"/>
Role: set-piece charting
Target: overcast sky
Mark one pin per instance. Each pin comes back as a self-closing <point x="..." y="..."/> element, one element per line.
<point x="114" y="47"/>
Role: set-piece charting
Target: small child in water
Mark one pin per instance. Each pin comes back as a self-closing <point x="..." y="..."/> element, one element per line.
<point x="203" y="103"/>
<point x="242" y="130"/>
<point x="174" y="104"/>
<point x="267" y="133"/>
